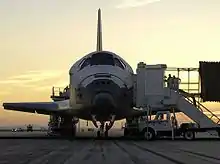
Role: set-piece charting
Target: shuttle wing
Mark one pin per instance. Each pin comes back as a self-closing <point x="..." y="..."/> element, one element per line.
<point x="46" y="108"/>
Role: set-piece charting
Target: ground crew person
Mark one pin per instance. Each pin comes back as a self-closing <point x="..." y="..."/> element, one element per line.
<point x="169" y="81"/>
<point x="176" y="82"/>
<point x="174" y="126"/>
<point x="66" y="92"/>
<point x="173" y="122"/>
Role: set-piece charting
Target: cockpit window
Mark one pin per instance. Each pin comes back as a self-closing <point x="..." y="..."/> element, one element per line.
<point x="124" y="65"/>
<point x="118" y="63"/>
<point x="85" y="63"/>
<point x="102" y="59"/>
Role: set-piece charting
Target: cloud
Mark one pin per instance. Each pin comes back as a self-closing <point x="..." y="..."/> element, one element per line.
<point x="135" y="3"/>
<point x="43" y="88"/>
<point x="61" y="83"/>
<point x="33" y="78"/>
<point x="57" y="83"/>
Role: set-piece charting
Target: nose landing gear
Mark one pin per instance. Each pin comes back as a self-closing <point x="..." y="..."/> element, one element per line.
<point x="102" y="131"/>
<point x="105" y="127"/>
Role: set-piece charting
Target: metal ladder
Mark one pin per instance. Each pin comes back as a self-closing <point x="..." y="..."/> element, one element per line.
<point x="201" y="107"/>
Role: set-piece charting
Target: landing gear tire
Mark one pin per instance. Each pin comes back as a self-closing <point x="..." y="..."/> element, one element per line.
<point x="125" y="132"/>
<point x="98" y="134"/>
<point x="189" y="135"/>
<point x="67" y="129"/>
<point x="128" y="133"/>
<point x="150" y="135"/>
<point x="106" y="133"/>
<point x="74" y="131"/>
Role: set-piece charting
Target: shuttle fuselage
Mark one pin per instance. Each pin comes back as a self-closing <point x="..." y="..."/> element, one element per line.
<point x="101" y="82"/>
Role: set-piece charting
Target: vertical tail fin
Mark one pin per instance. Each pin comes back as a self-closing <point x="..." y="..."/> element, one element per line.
<point x="99" y="32"/>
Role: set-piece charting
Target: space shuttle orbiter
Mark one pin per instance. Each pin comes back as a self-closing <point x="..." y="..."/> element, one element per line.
<point x="101" y="89"/>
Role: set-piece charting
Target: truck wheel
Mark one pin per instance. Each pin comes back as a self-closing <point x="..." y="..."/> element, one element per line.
<point x="189" y="135"/>
<point x="150" y="135"/>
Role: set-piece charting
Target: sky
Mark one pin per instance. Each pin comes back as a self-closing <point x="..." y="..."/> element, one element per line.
<point x="40" y="40"/>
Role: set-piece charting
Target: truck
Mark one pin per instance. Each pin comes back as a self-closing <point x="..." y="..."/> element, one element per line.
<point x="29" y="128"/>
<point x="164" y="124"/>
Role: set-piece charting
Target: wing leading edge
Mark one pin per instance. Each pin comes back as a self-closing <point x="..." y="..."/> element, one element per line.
<point x="46" y="108"/>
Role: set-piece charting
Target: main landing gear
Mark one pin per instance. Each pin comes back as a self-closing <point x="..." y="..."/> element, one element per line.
<point x="62" y="126"/>
<point x="68" y="127"/>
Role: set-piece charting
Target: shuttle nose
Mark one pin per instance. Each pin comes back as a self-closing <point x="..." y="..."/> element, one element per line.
<point x="103" y="99"/>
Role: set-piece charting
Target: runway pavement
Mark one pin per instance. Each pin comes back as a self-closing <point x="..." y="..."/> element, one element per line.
<point x="115" y="151"/>
<point x="108" y="152"/>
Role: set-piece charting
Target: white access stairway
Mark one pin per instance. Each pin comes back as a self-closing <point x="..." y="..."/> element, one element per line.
<point x="150" y="90"/>
<point x="192" y="110"/>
